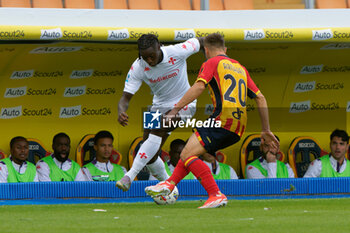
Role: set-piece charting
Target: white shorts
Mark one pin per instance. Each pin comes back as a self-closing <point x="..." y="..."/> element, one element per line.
<point x="185" y="113"/>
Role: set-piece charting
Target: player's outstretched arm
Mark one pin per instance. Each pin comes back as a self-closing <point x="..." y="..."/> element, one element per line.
<point x="193" y="93"/>
<point x="266" y="133"/>
<point x="123" y="106"/>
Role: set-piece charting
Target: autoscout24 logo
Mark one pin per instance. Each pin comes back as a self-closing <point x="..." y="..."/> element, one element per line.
<point x="154" y="120"/>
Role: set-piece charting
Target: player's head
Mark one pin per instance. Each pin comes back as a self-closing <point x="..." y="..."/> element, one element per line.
<point x="265" y="149"/>
<point x="19" y="148"/>
<point x="61" y="146"/>
<point x="214" y="44"/>
<point x="103" y="145"/>
<point x="149" y="49"/>
<point x="339" y="143"/>
<point x="176" y="147"/>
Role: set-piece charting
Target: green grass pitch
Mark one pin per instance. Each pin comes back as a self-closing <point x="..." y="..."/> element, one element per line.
<point x="288" y="215"/>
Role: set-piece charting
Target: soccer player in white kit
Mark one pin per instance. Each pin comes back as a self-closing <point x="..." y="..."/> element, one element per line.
<point x="164" y="69"/>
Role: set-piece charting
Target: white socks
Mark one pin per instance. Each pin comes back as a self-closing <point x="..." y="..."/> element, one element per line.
<point x="157" y="169"/>
<point x="146" y="152"/>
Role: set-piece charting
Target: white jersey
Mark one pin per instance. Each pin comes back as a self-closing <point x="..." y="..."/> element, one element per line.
<point x="315" y="168"/>
<point x="271" y="168"/>
<point x="168" y="80"/>
<point x="43" y="170"/>
<point x="21" y="169"/>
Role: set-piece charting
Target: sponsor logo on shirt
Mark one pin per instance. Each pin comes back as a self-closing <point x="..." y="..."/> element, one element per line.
<point x="209" y="109"/>
<point x="169" y="75"/>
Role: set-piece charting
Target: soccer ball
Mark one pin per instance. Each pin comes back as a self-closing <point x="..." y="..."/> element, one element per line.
<point x="168" y="199"/>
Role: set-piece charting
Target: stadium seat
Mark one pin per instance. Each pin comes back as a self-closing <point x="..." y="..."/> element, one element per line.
<point x="250" y="151"/>
<point x="330" y="4"/>
<point x="2" y="155"/>
<point x="143" y="5"/>
<point x="115" y="4"/>
<point x="238" y="4"/>
<point x="47" y="3"/>
<point x="302" y="151"/>
<point x="16" y="3"/>
<point x="214" y="5"/>
<point x="37" y="150"/>
<point x="80" y="4"/>
<point x="220" y="156"/>
<point x="175" y="5"/>
<point x="85" y="152"/>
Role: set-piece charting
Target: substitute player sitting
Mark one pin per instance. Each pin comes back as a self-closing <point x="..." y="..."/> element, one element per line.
<point x="101" y="169"/>
<point x="335" y="164"/>
<point x="57" y="166"/>
<point x="229" y="84"/>
<point x="16" y="168"/>
<point x="268" y="166"/>
<point x="219" y="170"/>
<point x="164" y="69"/>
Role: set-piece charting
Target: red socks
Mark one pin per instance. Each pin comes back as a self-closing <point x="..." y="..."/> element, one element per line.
<point x="179" y="173"/>
<point x="199" y="169"/>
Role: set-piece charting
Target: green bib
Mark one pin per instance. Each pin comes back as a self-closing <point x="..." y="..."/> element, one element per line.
<point x="224" y="172"/>
<point x="328" y="171"/>
<point x="97" y="175"/>
<point x="282" y="170"/>
<point x="14" y="176"/>
<point x="57" y="174"/>
<point x="190" y="175"/>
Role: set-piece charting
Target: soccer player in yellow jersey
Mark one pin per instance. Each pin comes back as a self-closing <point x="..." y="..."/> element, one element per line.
<point x="229" y="84"/>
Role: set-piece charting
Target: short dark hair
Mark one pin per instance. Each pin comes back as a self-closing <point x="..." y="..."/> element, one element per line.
<point x="59" y="135"/>
<point x="340" y="133"/>
<point x="215" y="40"/>
<point x="146" y="41"/>
<point x="103" y="134"/>
<point x="177" y="142"/>
<point x="15" y="139"/>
